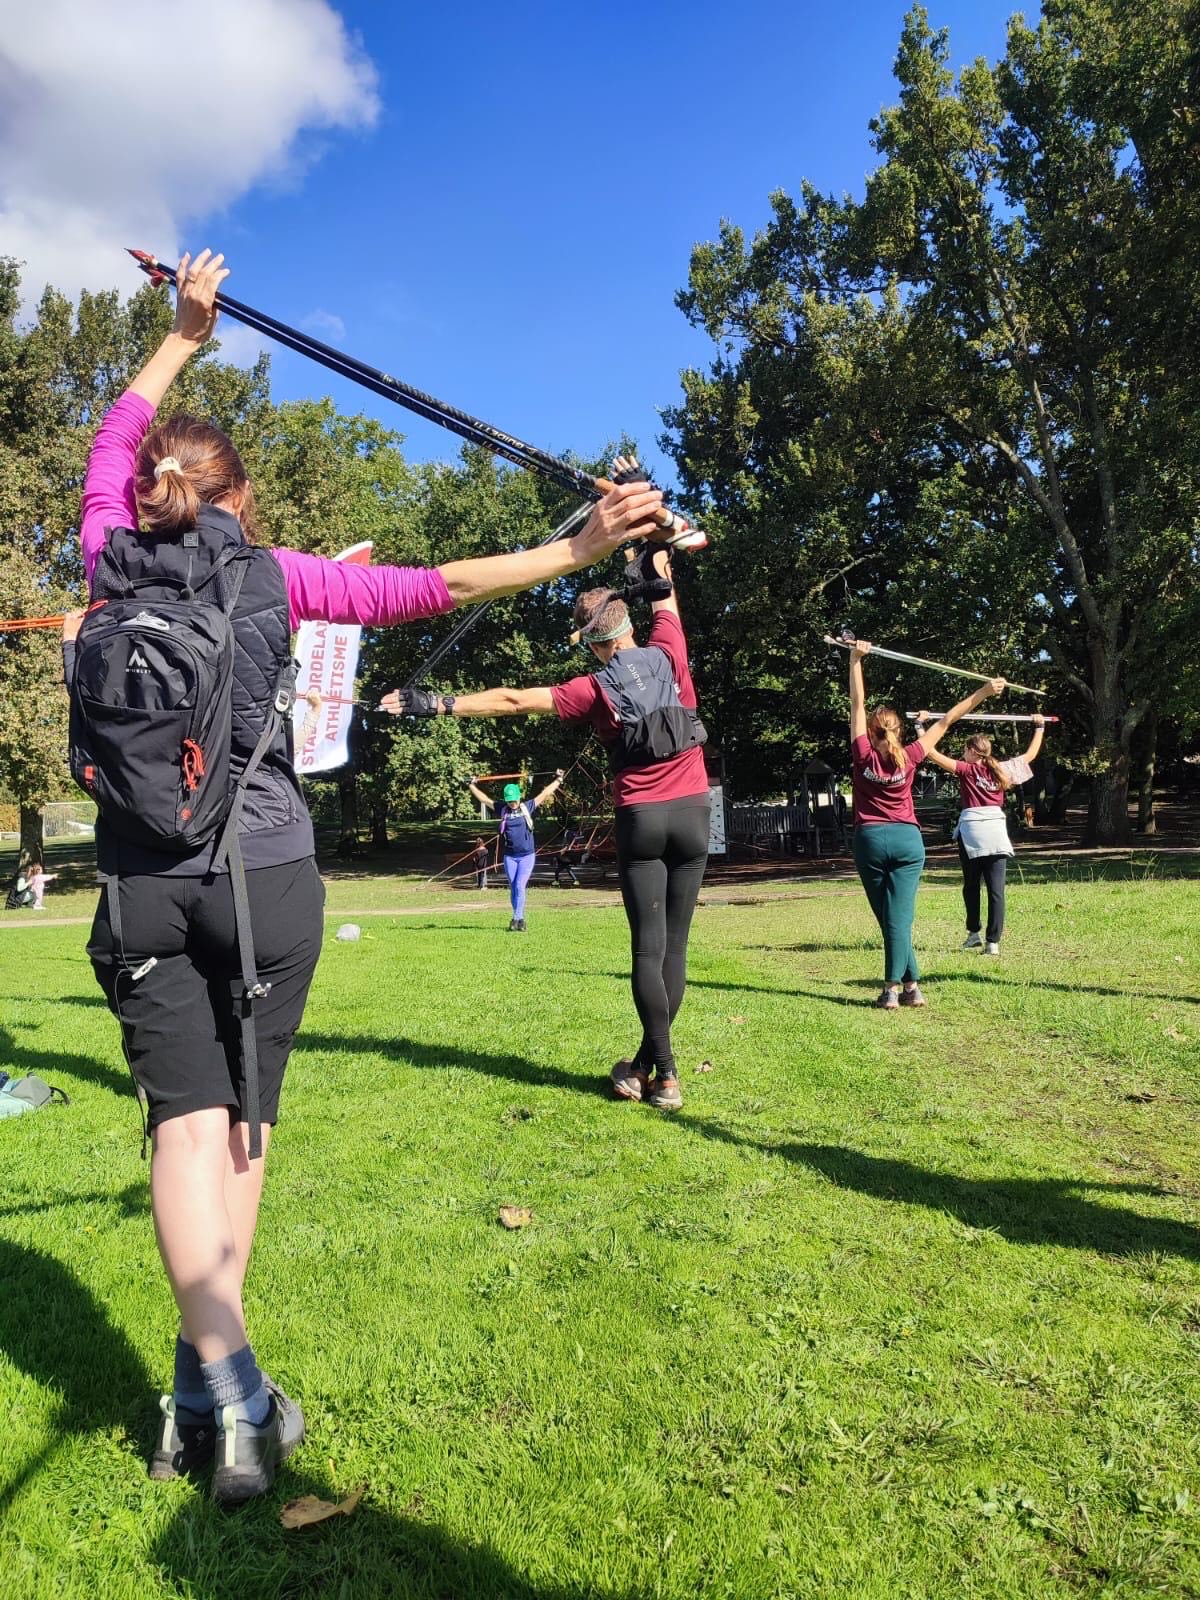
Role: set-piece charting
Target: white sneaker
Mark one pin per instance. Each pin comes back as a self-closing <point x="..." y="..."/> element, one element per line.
<point x="973" y="941"/>
<point x="991" y="949"/>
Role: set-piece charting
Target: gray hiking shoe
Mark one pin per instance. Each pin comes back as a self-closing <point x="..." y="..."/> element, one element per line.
<point x="629" y="1081"/>
<point x="912" y="997"/>
<point x="888" y="1000"/>
<point x="973" y="941"/>
<point x="665" y="1095"/>
<point x="247" y="1454"/>
<point x="184" y="1446"/>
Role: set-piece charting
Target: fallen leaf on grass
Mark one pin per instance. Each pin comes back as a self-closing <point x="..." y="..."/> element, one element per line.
<point x="1173" y="1033"/>
<point x="308" y="1510"/>
<point x="1141" y="1097"/>
<point x="705" y="1066"/>
<point x="737" y="1019"/>
<point x="515" y="1216"/>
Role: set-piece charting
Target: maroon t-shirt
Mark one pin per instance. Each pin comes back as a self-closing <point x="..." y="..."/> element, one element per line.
<point x="582" y="701"/>
<point x="882" y="793"/>
<point x="978" y="785"/>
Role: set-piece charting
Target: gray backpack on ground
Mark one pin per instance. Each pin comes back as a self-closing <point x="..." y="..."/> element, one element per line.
<point x="19" y="1095"/>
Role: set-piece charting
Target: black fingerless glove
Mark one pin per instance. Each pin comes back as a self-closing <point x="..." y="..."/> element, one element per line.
<point x="632" y="475"/>
<point x="419" y="703"/>
<point x="642" y="580"/>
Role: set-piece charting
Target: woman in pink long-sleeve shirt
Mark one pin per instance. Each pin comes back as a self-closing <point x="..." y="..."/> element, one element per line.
<point x="170" y="969"/>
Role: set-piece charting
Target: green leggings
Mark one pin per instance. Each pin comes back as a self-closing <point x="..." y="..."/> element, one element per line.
<point x="889" y="857"/>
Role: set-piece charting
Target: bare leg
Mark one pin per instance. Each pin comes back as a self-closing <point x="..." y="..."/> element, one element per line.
<point x="196" y="1237"/>
<point x="243" y="1189"/>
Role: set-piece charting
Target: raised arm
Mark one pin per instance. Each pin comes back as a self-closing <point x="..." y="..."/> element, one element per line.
<point x="551" y="788"/>
<point x="656" y="557"/>
<point x="858" y="691"/>
<point x="923" y="719"/>
<point x="1035" y="744"/>
<point x="108" y="499"/>
<point x="487" y="703"/>
<point x="484" y="799"/>
<point x="625" y="514"/>
<point x="932" y="737"/>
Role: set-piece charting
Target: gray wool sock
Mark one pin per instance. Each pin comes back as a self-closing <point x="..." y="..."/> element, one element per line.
<point x="190" y="1392"/>
<point x="236" y="1381"/>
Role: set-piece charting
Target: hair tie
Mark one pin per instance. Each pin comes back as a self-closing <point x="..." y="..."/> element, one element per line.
<point x="167" y="464"/>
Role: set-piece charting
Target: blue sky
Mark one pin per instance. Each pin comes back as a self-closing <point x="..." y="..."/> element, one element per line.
<point x="510" y="232"/>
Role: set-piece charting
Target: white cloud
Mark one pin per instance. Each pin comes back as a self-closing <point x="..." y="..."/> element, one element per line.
<point x="326" y="325"/>
<point x="121" y="121"/>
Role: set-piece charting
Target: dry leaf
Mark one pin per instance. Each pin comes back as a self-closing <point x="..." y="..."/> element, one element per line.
<point x="308" y="1510"/>
<point x="515" y="1216"/>
<point x="737" y="1019"/>
<point x="1141" y="1097"/>
<point x="705" y="1066"/>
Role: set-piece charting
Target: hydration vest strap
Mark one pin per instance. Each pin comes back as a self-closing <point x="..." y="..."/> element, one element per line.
<point x="252" y="990"/>
<point x="524" y="811"/>
<point x="229" y="848"/>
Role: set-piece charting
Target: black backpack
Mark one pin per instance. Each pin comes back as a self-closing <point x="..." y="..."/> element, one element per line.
<point x="655" y="725"/>
<point x="151" y="709"/>
<point x="151" y="729"/>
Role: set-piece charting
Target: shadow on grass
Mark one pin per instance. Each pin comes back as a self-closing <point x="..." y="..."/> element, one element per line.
<point x="53" y="1329"/>
<point x="1022" y="1210"/>
<point x="435" y="1057"/>
<point x="54" y="1065"/>
<point x="132" y="1201"/>
<point x="211" y="1555"/>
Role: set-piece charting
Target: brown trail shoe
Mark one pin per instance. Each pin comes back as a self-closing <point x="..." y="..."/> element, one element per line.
<point x="629" y="1081"/>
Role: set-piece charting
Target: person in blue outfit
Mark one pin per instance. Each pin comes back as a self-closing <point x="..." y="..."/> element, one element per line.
<point x="518" y="846"/>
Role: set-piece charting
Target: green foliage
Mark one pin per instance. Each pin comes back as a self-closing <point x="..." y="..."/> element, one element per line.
<point x="961" y="411"/>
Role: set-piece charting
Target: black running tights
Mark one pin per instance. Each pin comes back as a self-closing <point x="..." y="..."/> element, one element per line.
<point x="662" y="849"/>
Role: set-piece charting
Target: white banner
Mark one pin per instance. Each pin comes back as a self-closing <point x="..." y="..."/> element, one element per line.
<point x="328" y="657"/>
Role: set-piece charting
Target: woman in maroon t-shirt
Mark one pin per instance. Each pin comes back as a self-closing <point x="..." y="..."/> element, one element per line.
<point x="662" y="800"/>
<point x="888" y="850"/>
<point x="983" y="842"/>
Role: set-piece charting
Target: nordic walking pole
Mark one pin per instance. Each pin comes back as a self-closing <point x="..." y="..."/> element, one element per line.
<point x="677" y="532"/>
<point x="847" y="642"/>
<point x="977" y="716"/>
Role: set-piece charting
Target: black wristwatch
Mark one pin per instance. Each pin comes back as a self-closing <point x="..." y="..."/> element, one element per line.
<point x="448" y="705"/>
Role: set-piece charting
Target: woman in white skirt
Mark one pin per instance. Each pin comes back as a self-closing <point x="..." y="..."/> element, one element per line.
<point x="982" y="832"/>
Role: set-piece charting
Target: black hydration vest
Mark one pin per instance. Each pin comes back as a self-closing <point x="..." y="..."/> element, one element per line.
<point x="655" y="725"/>
<point x="273" y="806"/>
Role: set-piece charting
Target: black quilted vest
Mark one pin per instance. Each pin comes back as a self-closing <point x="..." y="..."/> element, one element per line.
<point x="274" y="827"/>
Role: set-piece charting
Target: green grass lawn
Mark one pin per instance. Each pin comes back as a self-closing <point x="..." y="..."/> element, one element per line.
<point x="897" y="1306"/>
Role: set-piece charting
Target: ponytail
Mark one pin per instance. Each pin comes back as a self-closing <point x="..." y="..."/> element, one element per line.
<point x="185" y="463"/>
<point x="998" y="772"/>
<point x="886" y="721"/>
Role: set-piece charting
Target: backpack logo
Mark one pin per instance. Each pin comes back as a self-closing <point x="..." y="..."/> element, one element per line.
<point x="137" y="662"/>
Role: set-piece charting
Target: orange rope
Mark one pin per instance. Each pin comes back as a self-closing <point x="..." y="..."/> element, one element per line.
<point x="26" y="624"/>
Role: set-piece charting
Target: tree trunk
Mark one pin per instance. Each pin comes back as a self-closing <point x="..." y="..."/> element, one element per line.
<point x="32" y="837"/>
<point x="1112" y="731"/>
<point x="1149" y="756"/>
<point x="379" y="822"/>
<point x="348" y="796"/>
<point x="1108" y="809"/>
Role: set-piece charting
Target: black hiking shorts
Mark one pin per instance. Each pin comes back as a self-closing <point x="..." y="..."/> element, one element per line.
<point x="181" y="1020"/>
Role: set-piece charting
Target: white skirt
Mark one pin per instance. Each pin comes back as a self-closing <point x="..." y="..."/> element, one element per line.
<point x="983" y="831"/>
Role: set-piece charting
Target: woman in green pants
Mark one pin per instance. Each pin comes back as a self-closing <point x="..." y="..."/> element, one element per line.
<point x="888" y="850"/>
